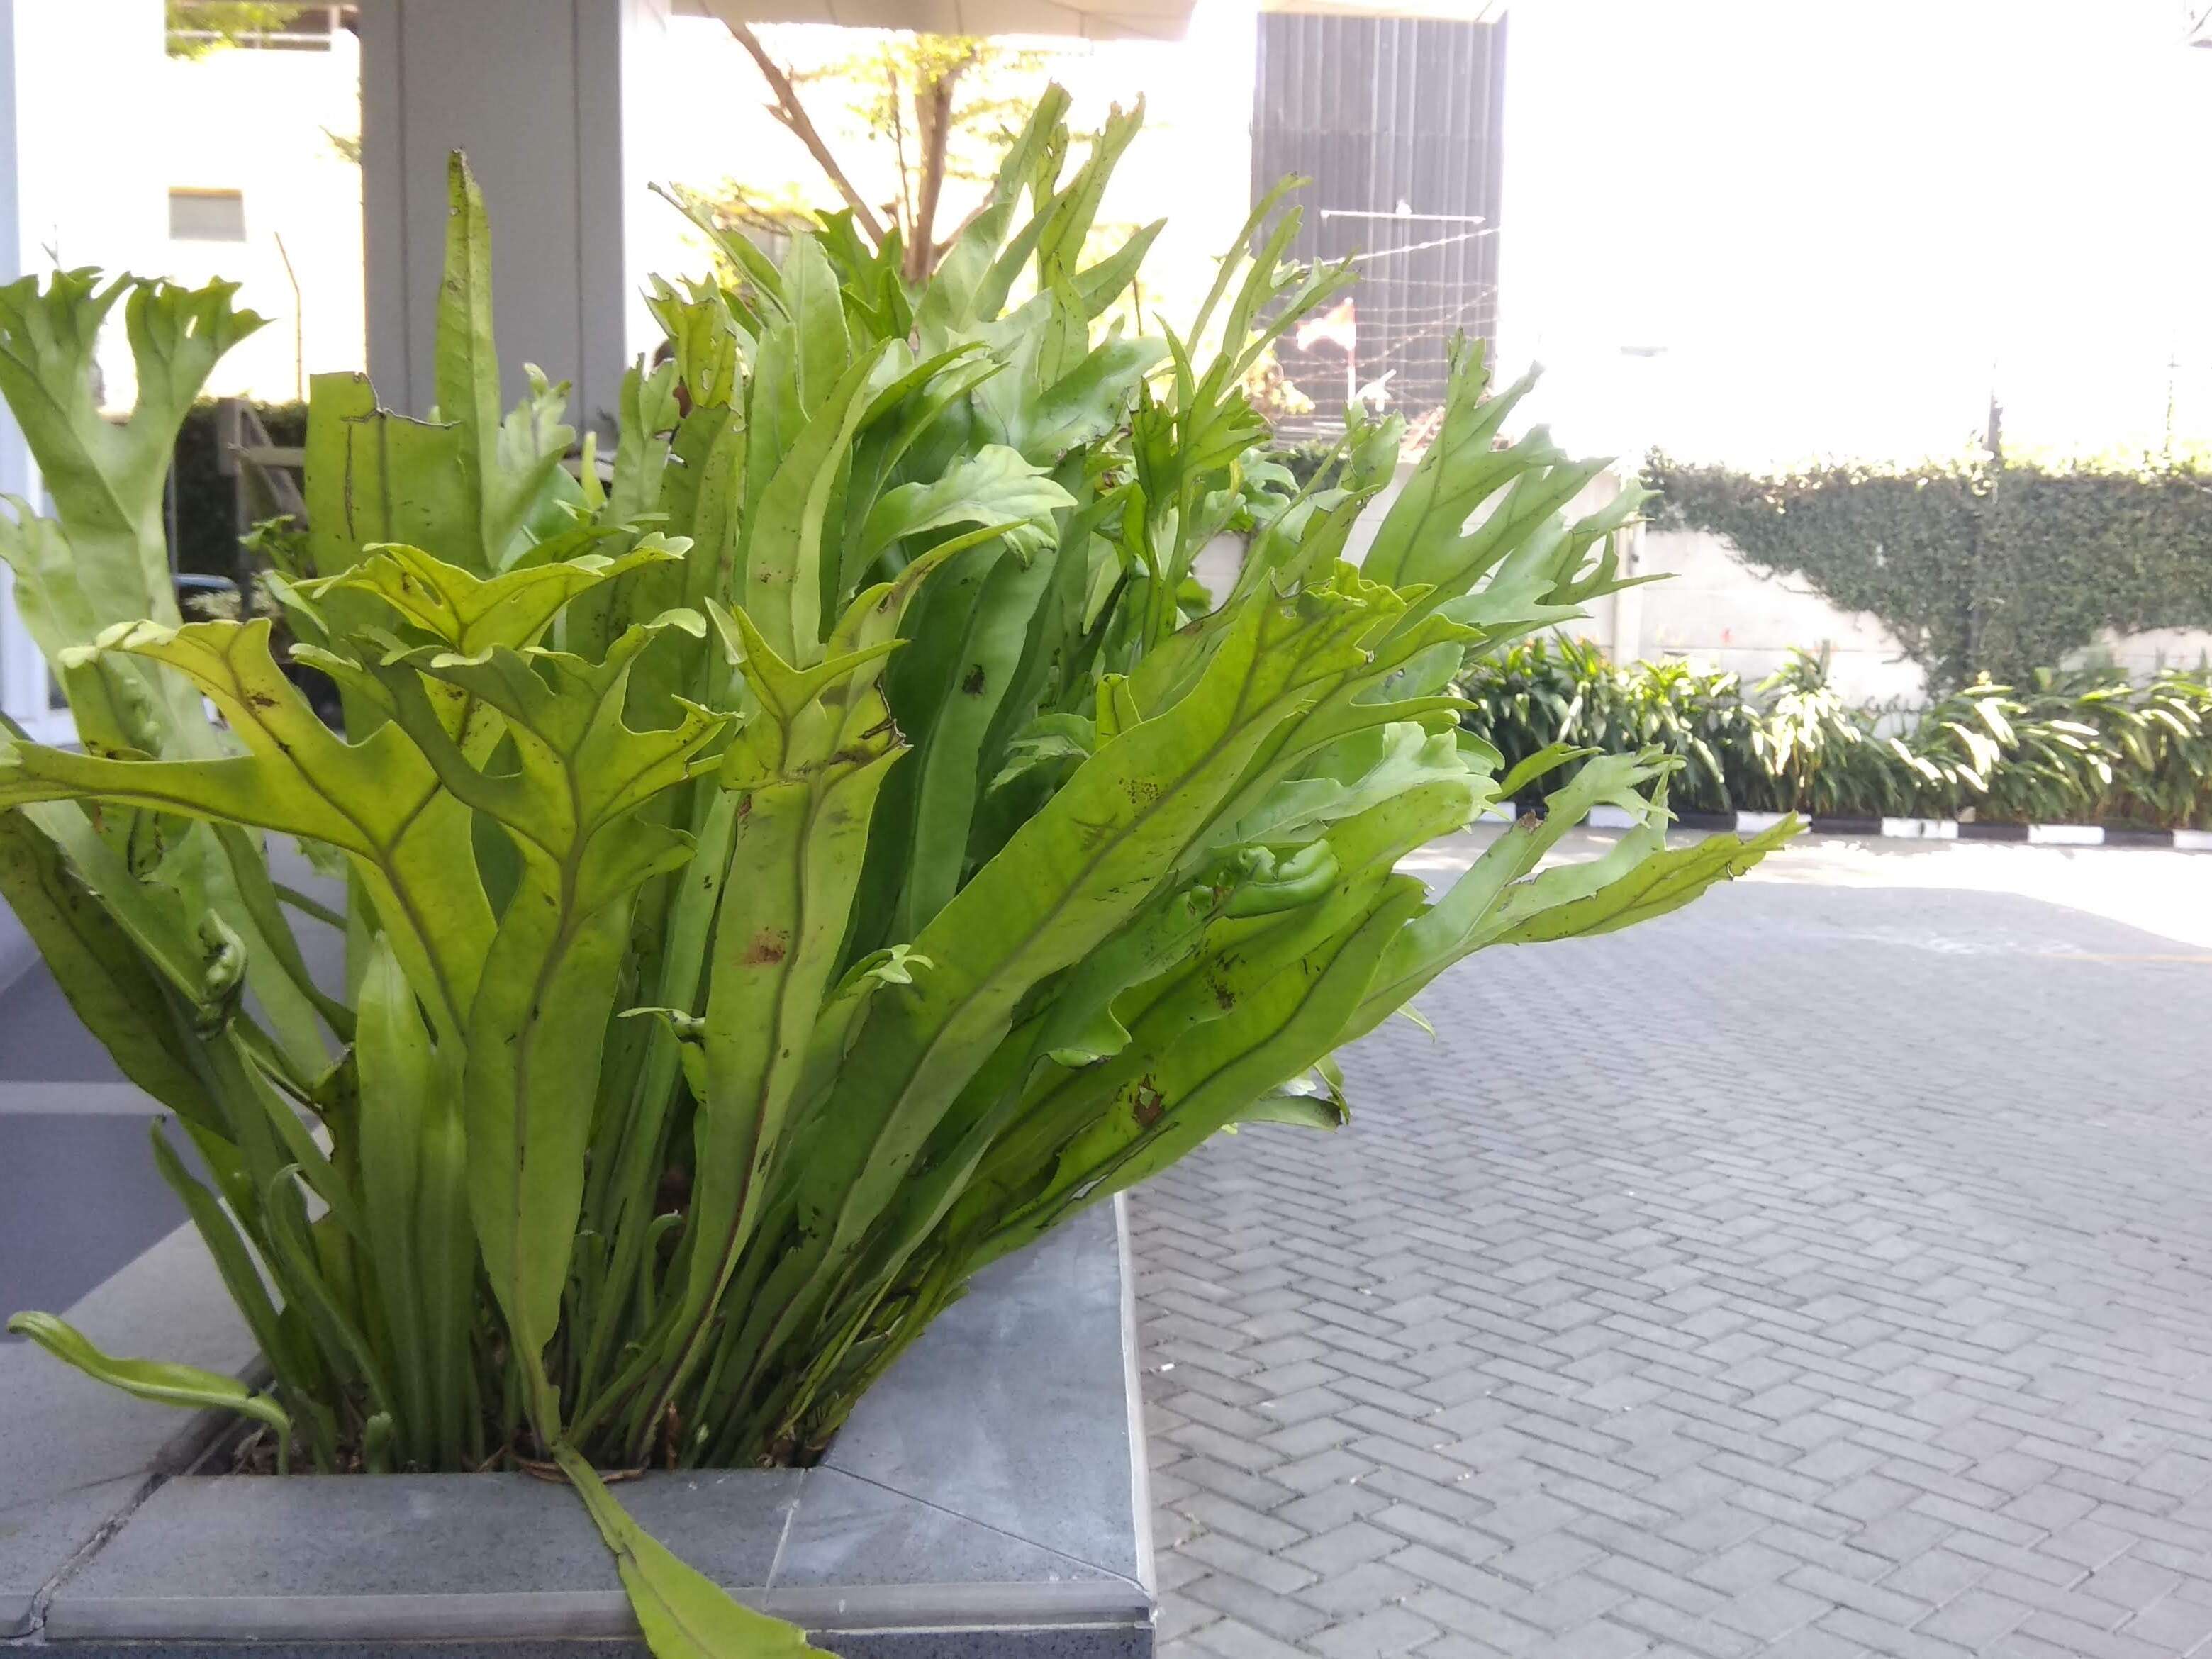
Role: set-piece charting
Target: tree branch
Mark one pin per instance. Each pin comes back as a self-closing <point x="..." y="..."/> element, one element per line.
<point x="896" y="102"/>
<point x="788" y="110"/>
<point x="935" y="111"/>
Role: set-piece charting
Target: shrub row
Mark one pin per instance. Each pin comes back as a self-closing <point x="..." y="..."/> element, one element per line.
<point x="2069" y="747"/>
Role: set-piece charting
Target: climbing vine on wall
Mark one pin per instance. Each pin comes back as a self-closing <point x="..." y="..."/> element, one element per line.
<point x="1977" y="567"/>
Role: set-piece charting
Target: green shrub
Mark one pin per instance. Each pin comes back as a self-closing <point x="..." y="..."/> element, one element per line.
<point x="1306" y="460"/>
<point x="2086" y="747"/>
<point x="1559" y="689"/>
<point x="2163" y="732"/>
<point x="784" y="879"/>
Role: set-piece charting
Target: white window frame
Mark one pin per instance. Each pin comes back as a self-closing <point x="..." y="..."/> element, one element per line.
<point x="24" y="684"/>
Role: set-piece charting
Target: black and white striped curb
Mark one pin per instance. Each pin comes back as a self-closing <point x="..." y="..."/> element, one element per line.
<point x="2037" y="835"/>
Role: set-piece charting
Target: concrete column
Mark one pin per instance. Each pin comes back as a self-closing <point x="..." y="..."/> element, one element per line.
<point x="551" y="101"/>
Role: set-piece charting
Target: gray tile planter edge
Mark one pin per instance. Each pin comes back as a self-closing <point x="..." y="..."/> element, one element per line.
<point x="994" y="1481"/>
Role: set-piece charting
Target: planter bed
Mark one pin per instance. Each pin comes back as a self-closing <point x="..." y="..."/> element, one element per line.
<point x="986" y="1500"/>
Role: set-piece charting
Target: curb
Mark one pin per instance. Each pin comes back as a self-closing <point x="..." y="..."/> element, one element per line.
<point x="2035" y="834"/>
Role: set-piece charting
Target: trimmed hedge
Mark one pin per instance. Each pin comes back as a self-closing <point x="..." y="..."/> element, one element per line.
<point x="1977" y="567"/>
<point x="2087" y="747"/>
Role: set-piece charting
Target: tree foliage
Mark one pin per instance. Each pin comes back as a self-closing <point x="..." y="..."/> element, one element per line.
<point x="198" y="27"/>
<point x="938" y="109"/>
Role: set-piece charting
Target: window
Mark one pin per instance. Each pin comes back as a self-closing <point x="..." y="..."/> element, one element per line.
<point x="207" y="215"/>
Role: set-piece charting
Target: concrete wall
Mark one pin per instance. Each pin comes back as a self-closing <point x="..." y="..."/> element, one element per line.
<point x="2147" y="653"/>
<point x="1714" y="608"/>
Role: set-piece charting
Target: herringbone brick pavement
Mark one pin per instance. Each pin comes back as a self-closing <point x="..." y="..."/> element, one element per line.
<point x="1815" y="1271"/>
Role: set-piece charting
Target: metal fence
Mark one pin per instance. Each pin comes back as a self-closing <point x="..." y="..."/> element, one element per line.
<point x="1399" y="122"/>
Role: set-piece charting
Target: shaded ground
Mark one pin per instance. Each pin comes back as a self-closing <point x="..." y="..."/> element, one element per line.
<point x="79" y="1195"/>
<point x="1824" y="1270"/>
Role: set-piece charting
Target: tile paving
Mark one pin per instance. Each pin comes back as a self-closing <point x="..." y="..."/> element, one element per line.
<point x="1820" y="1271"/>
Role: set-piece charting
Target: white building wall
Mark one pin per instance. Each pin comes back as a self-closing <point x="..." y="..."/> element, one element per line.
<point x="97" y="126"/>
<point x="89" y="135"/>
<point x="265" y="123"/>
<point x="22" y="675"/>
<point x="77" y="125"/>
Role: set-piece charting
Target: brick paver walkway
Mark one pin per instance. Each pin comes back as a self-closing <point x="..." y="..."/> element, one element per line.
<point x="1817" y="1272"/>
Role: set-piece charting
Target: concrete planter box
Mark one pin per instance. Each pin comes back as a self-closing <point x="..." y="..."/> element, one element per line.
<point x="987" y="1499"/>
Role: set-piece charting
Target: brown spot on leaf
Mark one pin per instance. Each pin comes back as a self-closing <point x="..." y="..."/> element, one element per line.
<point x="1148" y="1102"/>
<point x="973" y="684"/>
<point x="770" y="944"/>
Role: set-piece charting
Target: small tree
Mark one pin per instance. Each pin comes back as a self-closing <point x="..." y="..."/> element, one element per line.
<point x="943" y="104"/>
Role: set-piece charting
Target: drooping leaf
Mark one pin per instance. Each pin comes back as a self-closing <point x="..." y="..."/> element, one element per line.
<point x="161" y="1382"/>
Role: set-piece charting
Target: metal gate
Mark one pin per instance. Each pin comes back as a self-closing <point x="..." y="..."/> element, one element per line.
<point x="1399" y="122"/>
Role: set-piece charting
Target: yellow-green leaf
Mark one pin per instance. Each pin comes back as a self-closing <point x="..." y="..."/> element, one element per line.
<point x="684" y="1614"/>
<point x="163" y="1381"/>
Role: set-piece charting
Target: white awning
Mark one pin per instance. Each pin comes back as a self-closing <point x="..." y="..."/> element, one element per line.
<point x="1086" y="19"/>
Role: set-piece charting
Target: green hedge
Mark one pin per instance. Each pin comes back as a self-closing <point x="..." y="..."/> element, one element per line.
<point x="2065" y="748"/>
<point x="1977" y="567"/>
